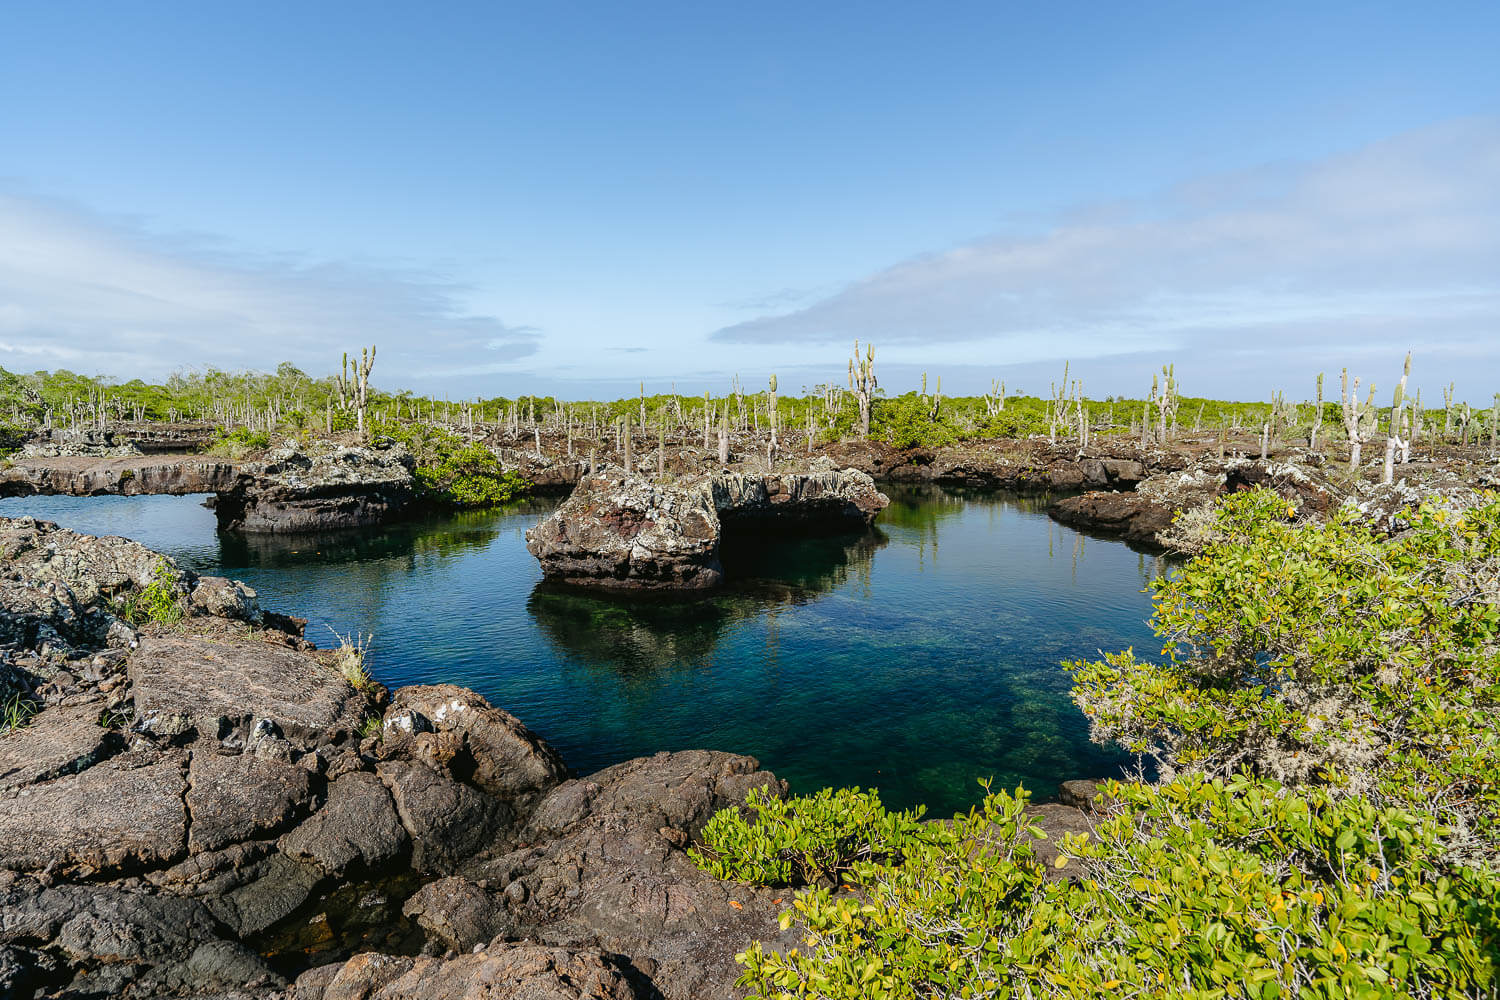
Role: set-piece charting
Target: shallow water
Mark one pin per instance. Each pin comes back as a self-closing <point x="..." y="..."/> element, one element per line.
<point x="916" y="657"/>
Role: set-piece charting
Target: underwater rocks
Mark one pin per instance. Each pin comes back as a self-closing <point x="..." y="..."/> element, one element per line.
<point x="626" y="532"/>
<point x="321" y="488"/>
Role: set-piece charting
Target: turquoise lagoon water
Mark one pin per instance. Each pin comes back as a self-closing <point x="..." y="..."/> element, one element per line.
<point x="916" y="657"/>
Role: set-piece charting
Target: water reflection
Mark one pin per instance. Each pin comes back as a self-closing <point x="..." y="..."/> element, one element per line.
<point x="641" y="634"/>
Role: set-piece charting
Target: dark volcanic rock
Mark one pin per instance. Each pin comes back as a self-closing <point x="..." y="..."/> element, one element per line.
<point x="186" y="683"/>
<point x="500" y="972"/>
<point x="58" y="742"/>
<point x="358" y="826"/>
<point x="129" y="475"/>
<point x="243" y="797"/>
<point x="329" y="488"/>
<point x="1134" y="517"/>
<point x="448" y="822"/>
<point x="1168" y="510"/>
<point x="124" y="814"/>
<point x="629" y="533"/>
<point x="509" y="761"/>
<point x="61" y="588"/>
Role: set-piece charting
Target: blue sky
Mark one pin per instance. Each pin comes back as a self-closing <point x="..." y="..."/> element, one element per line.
<point x="570" y="198"/>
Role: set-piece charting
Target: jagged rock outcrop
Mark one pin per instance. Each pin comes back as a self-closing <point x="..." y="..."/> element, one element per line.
<point x="132" y="475"/>
<point x="627" y="532"/>
<point x="1168" y="510"/>
<point x="61" y="590"/>
<point x="318" y="489"/>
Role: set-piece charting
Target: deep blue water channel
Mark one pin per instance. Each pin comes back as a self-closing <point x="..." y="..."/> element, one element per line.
<point x="916" y="657"/>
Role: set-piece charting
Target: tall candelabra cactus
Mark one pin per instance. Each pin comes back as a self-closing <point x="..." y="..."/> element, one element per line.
<point x="1354" y="412"/>
<point x="1395" y="442"/>
<point x="862" y="384"/>
<point x="353" y="383"/>
<point x="773" y="419"/>
<point x="1317" y="422"/>
<point x="1056" y="403"/>
<point x="1167" y="401"/>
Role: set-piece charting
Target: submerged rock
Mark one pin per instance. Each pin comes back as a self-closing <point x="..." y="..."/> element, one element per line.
<point x="626" y="532"/>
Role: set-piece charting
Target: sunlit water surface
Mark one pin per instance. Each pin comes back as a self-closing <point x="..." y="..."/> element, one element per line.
<point x="916" y="657"/>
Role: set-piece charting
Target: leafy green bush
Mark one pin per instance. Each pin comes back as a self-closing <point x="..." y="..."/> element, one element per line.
<point x="1317" y="653"/>
<point x="159" y="601"/>
<point x="906" y="422"/>
<point x="455" y="473"/>
<point x="823" y="837"/>
<point x="1326" y="727"/>
<point x="238" y="442"/>
<point x="1195" y="888"/>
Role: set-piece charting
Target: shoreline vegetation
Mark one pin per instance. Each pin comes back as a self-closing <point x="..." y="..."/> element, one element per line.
<point x="1321" y="726"/>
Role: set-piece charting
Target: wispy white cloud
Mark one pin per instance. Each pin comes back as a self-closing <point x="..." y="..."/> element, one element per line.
<point x="101" y="294"/>
<point x="1393" y="245"/>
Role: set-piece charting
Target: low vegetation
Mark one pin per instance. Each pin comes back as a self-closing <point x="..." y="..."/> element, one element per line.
<point x="15" y="711"/>
<point x="349" y="658"/>
<point x="452" y="472"/>
<point x="1324" y="725"/>
<point x="159" y="602"/>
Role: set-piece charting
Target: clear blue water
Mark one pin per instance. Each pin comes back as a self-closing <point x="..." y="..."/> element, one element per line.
<point x="916" y="657"/>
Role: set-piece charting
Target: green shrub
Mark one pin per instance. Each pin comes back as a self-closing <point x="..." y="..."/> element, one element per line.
<point x="1195" y="889"/>
<point x="906" y="422"/>
<point x="1319" y="654"/>
<point x="803" y="840"/>
<point x="160" y="601"/>
<point x="238" y="442"/>
<point x="454" y="473"/>
<point x="1325" y="722"/>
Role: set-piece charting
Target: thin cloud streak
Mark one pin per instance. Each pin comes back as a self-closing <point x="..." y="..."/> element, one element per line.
<point x="101" y="294"/>
<point x="1394" y="245"/>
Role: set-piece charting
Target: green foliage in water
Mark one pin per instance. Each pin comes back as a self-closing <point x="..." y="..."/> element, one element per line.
<point x="1326" y="728"/>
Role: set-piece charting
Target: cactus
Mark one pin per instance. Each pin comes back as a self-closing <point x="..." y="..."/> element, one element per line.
<point x="625" y="436"/>
<point x="353" y="383"/>
<point x="862" y="384"/>
<point x="774" y="420"/>
<point x="1354" y="414"/>
<point x="1055" y="405"/>
<point x="994" y="400"/>
<point x="724" y="438"/>
<point x="1167" y="400"/>
<point x="1394" y="443"/>
<point x="1312" y="437"/>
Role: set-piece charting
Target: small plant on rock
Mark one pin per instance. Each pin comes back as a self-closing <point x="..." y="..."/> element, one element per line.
<point x="349" y="658"/>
